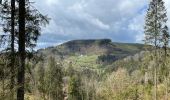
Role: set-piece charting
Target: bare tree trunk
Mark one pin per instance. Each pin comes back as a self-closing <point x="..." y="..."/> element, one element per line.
<point x="166" y="75"/>
<point x="166" y="83"/>
<point x="155" y="70"/>
<point x="21" y="69"/>
<point x="3" y="83"/>
<point x="155" y="82"/>
<point x="12" y="70"/>
<point x="146" y="77"/>
<point x="156" y="59"/>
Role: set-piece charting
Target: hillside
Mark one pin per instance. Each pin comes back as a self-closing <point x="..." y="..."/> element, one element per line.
<point x="99" y="47"/>
<point x="94" y="60"/>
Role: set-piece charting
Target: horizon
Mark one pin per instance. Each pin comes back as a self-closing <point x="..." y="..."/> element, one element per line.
<point x="55" y="45"/>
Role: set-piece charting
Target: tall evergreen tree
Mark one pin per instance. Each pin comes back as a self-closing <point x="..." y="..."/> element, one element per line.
<point x="155" y="27"/>
<point x="165" y="40"/>
<point x="34" y="21"/>
<point x="41" y="80"/>
<point x="12" y="49"/>
<point x="75" y="91"/>
<point x="54" y="80"/>
<point x="10" y="23"/>
<point x="21" y="51"/>
<point x="10" y="16"/>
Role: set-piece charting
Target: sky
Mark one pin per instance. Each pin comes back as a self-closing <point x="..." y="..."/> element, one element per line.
<point x="119" y="20"/>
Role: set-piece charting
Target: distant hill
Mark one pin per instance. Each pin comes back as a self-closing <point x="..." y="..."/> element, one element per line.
<point x="104" y="49"/>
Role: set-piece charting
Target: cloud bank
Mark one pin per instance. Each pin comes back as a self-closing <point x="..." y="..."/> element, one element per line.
<point x="119" y="20"/>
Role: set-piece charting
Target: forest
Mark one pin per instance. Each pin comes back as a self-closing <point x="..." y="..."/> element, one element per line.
<point x="81" y="69"/>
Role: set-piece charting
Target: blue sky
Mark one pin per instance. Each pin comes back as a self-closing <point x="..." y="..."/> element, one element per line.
<point x="119" y="20"/>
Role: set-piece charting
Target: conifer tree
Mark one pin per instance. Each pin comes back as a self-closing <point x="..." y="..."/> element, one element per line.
<point x="41" y="80"/>
<point x="155" y="27"/>
<point x="10" y="23"/>
<point x="21" y="51"/>
<point x="165" y="42"/>
<point x="34" y="21"/>
<point x="54" y="80"/>
<point x="75" y="91"/>
<point x="12" y="62"/>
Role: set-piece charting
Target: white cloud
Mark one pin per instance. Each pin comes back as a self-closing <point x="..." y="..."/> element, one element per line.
<point x="100" y="24"/>
<point x="51" y="2"/>
<point x="78" y="6"/>
<point x="79" y="12"/>
<point x="1" y="30"/>
<point x="137" y="26"/>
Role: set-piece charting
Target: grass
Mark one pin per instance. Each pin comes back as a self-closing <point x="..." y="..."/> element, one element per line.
<point x="84" y="61"/>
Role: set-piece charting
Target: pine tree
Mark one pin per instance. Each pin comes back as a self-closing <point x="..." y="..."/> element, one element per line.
<point x="75" y="88"/>
<point x="165" y="40"/>
<point x="155" y="27"/>
<point x="41" y="80"/>
<point x="12" y="65"/>
<point x="34" y="20"/>
<point x="54" y="80"/>
<point x="21" y="51"/>
<point x="11" y="19"/>
<point x="10" y="23"/>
